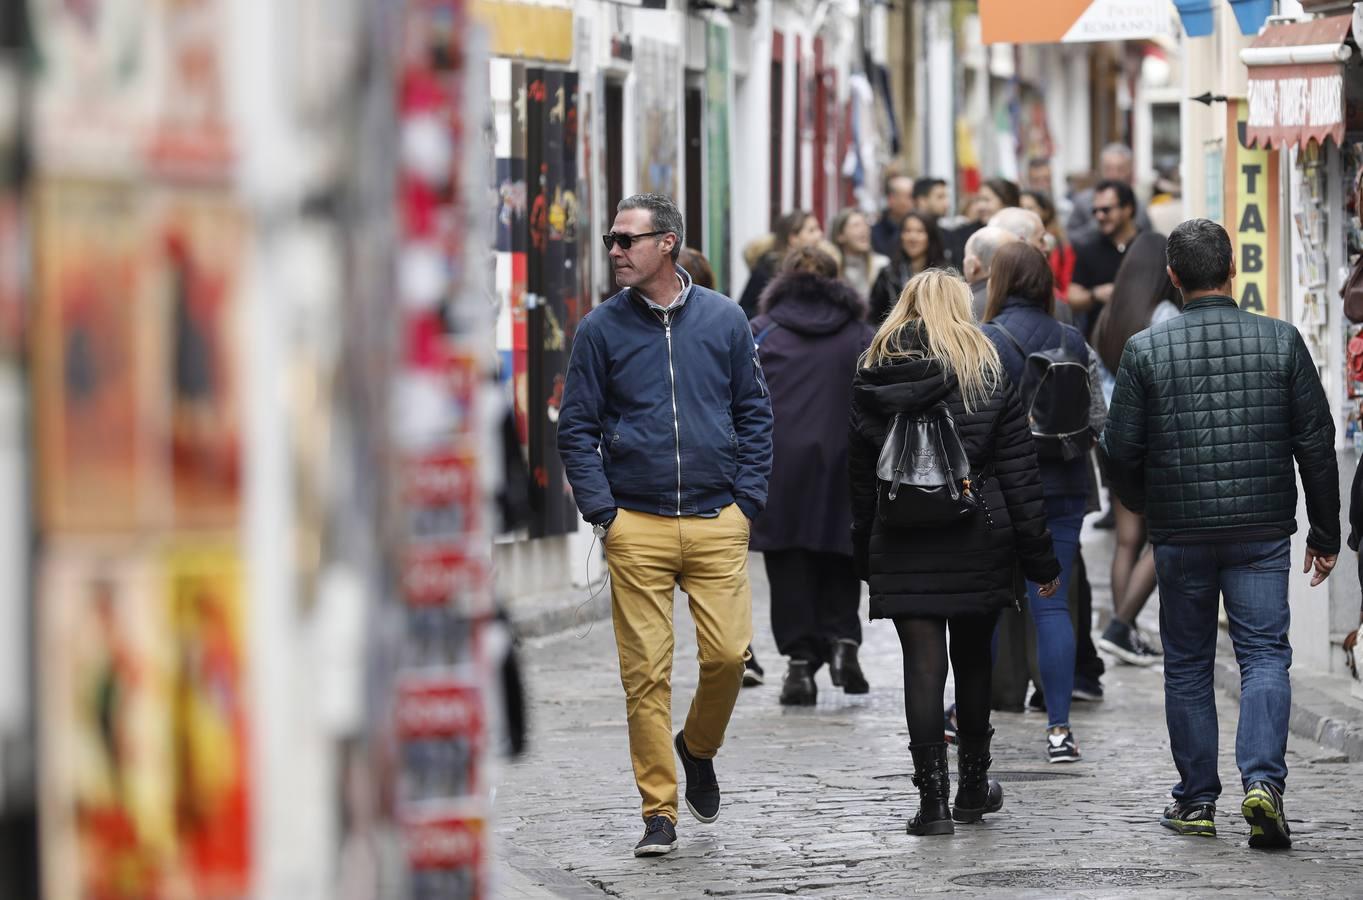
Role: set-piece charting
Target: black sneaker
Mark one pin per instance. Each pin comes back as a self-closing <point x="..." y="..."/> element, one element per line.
<point x="1124" y="642"/>
<point x="1190" y="818"/>
<point x="660" y="836"/>
<point x="1087" y="689"/>
<point x="752" y="672"/>
<point x="1061" y="746"/>
<point x="1263" y="810"/>
<point x="702" y="788"/>
<point x="1038" y="701"/>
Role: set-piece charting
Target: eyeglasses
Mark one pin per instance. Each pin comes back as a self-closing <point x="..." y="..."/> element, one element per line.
<point x="610" y="239"/>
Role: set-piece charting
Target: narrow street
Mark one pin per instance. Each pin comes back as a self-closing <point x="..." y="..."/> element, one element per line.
<point x="816" y="799"/>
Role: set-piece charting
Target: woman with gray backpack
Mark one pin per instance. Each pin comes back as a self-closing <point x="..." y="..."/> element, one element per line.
<point x="946" y="499"/>
<point x="1056" y="374"/>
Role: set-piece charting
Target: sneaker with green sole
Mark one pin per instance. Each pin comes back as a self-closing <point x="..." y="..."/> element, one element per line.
<point x="1263" y="810"/>
<point x="1190" y="818"/>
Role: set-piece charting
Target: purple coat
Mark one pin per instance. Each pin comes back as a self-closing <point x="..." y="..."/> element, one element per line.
<point x="809" y="360"/>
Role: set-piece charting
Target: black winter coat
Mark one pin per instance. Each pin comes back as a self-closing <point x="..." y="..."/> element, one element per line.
<point x="809" y="359"/>
<point x="761" y="276"/>
<point x="1210" y="409"/>
<point x="960" y="569"/>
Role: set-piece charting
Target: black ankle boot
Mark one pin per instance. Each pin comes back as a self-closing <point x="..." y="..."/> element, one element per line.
<point x="844" y="669"/>
<point x="976" y="792"/>
<point x="933" y="781"/>
<point x="799" y="688"/>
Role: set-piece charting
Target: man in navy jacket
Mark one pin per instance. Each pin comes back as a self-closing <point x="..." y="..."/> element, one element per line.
<point x="665" y="435"/>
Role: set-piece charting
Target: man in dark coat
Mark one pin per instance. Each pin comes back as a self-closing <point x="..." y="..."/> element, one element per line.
<point x="1210" y="409"/>
<point x="811" y="332"/>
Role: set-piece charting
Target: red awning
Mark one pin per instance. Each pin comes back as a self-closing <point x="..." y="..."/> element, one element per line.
<point x="1296" y="82"/>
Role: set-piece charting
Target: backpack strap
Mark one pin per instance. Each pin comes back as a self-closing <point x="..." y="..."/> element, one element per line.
<point x="757" y="341"/>
<point x="1008" y="334"/>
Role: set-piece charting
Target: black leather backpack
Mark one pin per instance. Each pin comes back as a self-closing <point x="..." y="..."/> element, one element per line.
<point x="923" y="475"/>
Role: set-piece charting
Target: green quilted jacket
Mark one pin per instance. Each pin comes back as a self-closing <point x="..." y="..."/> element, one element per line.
<point x="1209" y="411"/>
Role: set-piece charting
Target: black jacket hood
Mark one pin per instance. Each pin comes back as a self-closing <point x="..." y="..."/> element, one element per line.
<point x="811" y="304"/>
<point x="912" y="385"/>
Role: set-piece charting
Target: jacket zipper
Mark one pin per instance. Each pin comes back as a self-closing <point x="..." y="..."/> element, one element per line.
<point x="676" y="423"/>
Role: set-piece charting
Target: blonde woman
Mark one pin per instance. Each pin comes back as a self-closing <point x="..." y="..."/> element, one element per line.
<point x="930" y="351"/>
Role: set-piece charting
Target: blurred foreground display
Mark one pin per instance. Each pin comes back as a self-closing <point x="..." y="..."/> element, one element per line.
<point x="244" y="287"/>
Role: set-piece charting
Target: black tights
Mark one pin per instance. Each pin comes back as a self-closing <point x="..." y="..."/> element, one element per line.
<point x="924" y="642"/>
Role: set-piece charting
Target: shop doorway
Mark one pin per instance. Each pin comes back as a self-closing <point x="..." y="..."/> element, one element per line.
<point x="695" y="179"/>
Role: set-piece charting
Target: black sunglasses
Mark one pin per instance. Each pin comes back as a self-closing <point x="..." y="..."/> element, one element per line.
<point x="1104" y="210"/>
<point x="611" y="238"/>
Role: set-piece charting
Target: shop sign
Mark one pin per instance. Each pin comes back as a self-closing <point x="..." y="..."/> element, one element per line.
<point x="1251" y="211"/>
<point x="1295" y="105"/>
<point x="1074" y="21"/>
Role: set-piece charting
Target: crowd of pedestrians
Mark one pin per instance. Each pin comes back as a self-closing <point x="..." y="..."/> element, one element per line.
<point x="928" y="405"/>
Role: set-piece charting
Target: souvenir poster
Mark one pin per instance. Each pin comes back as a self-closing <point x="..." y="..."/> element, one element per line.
<point x="108" y="786"/>
<point x="190" y="130"/>
<point x="90" y="357"/>
<point x="716" y="241"/>
<point x="440" y="729"/>
<point x="209" y="715"/>
<point x="95" y="90"/>
<point x="557" y="309"/>
<point x="197" y="245"/>
<point x="446" y="855"/>
<point x="513" y="235"/>
<point x="658" y="72"/>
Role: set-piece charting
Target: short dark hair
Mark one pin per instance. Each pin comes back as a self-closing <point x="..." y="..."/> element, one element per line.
<point x="1199" y="252"/>
<point x="925" y="185"/>
<point x="1125" y="196"/>
<point x="665" y="215"/>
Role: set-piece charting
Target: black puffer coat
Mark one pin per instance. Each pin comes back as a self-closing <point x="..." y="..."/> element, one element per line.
<point x="1210" y="410"/>
<point x="809" y="359"/>
<point x="959" y="569"/>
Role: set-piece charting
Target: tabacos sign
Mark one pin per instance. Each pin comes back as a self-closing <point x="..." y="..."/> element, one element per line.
<point x="1251" y="215"/>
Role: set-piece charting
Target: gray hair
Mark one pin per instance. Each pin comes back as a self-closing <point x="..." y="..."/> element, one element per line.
<point x="1023" y="223"/>
<point x="1117" y="149"/>
<point x="665" y="216"/>
<point x="984" y="243"/>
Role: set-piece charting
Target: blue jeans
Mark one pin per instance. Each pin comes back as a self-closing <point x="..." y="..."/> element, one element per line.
<point x="1252" y="576"/>
<point x="1054" y="630"/>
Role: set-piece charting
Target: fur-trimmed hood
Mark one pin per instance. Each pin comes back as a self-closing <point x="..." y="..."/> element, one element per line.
<point x="811" y="304"/>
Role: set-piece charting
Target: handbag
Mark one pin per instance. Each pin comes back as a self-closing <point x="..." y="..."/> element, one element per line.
<point x="1352" y="292"/>
<point x="923" y="475"/>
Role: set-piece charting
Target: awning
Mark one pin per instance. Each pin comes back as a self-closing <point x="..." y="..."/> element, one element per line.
<point x="1072" y="21"/>
<point x="1296" y="82"/>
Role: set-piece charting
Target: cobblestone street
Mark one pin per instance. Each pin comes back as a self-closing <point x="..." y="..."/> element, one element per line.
<point x="816" y="799"/>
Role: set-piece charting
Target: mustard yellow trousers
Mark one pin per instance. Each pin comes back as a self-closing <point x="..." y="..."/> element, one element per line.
<point x="647" y="556"/>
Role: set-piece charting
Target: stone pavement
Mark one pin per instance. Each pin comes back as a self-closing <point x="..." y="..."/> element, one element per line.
<point x="816" y="799"/>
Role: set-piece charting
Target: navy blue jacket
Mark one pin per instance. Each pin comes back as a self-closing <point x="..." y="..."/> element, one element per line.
<point x="665" y="412"/>
<point x="1035" y="329"/>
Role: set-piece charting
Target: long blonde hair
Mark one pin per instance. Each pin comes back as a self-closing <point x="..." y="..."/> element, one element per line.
<point x="939" y="301"/>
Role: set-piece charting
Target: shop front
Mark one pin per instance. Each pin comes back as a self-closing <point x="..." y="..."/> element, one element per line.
<point x="1297" y="235"/>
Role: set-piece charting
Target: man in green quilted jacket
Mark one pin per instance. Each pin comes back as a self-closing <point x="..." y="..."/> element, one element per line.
<point x="1209" y="412"/>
